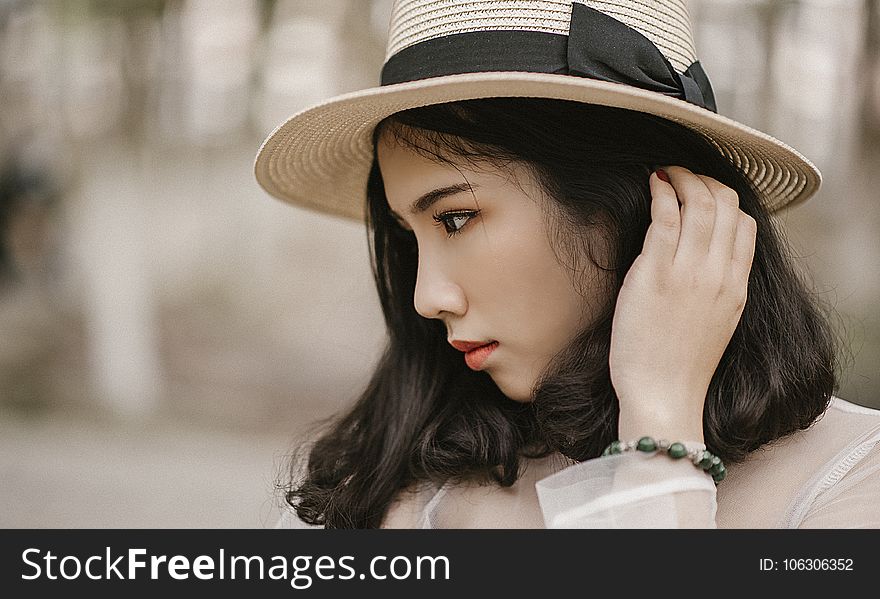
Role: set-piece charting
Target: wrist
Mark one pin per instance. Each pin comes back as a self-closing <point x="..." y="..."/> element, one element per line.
<point x="660" y="424"/>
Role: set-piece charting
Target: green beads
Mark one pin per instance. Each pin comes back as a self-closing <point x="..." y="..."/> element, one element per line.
<point x="718" y="471"/>
<point x="709" y="462"/>
<point x="646" y="444"/>
<point x="614" y="448"/>
<point x="713" y="466"/>
<point x="704" y="460"/>
<point x="677" y="450"/>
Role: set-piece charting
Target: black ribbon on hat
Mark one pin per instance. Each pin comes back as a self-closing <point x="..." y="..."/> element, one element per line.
<point x="597" y="47"/>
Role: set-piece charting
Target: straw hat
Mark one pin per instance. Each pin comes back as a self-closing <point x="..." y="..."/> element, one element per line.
<point x="633" y="54"/>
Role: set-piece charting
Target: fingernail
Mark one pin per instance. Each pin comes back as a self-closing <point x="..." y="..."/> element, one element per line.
<point x="661" y="174"/>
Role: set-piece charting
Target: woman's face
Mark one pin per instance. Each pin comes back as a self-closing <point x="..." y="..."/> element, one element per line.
<point x="486" y="266"/>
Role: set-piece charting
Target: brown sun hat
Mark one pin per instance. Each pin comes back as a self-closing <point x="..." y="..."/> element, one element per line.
<point x="632" y="54"/>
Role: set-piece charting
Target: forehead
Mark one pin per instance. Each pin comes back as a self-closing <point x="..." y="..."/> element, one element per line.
<point x="409" y="173"/>
<point x="402" y="158"/>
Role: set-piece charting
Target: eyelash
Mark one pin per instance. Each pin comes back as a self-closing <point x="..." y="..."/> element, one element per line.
<point x="443" y="220"/>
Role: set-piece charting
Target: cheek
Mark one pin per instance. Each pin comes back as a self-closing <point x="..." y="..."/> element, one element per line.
<point x="530" y="293"/>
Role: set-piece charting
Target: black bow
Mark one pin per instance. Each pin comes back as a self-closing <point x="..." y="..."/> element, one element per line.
<point x="601" y="47"/>
<point x="597" y="47"/>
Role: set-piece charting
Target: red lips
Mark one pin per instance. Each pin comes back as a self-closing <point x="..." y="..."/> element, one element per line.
<point x="476" y="352"/>
<point x="468" y="345"/>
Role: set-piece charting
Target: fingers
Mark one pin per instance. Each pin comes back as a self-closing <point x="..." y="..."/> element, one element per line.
<point x="744" y="247"/>
<point x="727" y="214"/>
<point x="661" y="240"/>
<point x="694" y="217"/>
<point x="697" y="213"/>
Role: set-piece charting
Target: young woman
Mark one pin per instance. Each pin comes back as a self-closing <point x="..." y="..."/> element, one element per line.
<point x="592" y="319"/>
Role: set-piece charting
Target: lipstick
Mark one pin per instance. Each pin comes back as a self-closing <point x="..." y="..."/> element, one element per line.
<point x="476" y="352"/>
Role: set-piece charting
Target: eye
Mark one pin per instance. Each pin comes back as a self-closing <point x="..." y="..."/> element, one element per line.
<point x="454" y="220"/>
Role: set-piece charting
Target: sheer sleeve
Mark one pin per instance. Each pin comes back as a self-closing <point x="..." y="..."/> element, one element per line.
<point x="851" y="500"/>
<point x="629" y="490"/>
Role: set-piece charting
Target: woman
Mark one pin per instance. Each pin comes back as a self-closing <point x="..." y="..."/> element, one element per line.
<point x="601" y="250"/>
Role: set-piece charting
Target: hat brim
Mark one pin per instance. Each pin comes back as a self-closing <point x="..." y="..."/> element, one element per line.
<point x="320" y="157"/>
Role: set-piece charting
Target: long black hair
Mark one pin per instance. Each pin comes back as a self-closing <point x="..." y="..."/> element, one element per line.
<point x="424" y="416"/>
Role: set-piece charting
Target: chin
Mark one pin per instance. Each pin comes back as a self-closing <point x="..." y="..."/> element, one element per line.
<point x="516" y="392"/>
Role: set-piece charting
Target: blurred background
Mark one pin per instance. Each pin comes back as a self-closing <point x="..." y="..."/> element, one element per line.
<point x="167" y="329"/>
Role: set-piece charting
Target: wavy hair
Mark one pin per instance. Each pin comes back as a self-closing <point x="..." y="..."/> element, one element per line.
<point x="424" y="416"/>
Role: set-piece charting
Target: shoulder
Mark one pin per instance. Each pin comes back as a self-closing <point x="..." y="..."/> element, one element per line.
<point x="408" y="507"/>
<point x="844" y="422"/>
<point x="842" y="430"/>
<point x="846" y="491"/>
<point x="848" y="435"/>
<point x="782" y="481"/>
<point x="839" y="405"/>
<point x="405" y="512"/>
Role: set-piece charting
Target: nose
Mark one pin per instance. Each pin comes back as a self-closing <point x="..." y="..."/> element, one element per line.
<point x="436" y="294"/>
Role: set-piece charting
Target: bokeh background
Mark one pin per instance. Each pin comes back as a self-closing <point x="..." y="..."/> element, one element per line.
<point x="167" y="330"/>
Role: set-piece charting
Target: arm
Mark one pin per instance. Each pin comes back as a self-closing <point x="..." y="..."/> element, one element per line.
<point x="631" y="490"/>
<point x="679" y="305"/>
<point x="676" y="312"/>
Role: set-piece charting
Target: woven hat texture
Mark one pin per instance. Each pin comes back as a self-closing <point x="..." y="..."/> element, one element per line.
<point x="613" y="54"/>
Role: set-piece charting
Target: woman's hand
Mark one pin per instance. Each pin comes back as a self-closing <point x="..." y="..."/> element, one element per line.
<point x="679" y="305"/>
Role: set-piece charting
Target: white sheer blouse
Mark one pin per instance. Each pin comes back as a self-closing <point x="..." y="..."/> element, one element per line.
<point x="827" y="476"/>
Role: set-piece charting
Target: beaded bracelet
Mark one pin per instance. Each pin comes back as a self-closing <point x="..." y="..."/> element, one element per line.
<point x="704" y="460"/>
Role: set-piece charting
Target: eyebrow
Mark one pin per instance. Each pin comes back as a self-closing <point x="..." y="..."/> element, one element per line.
<point x="432" y="197"/>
